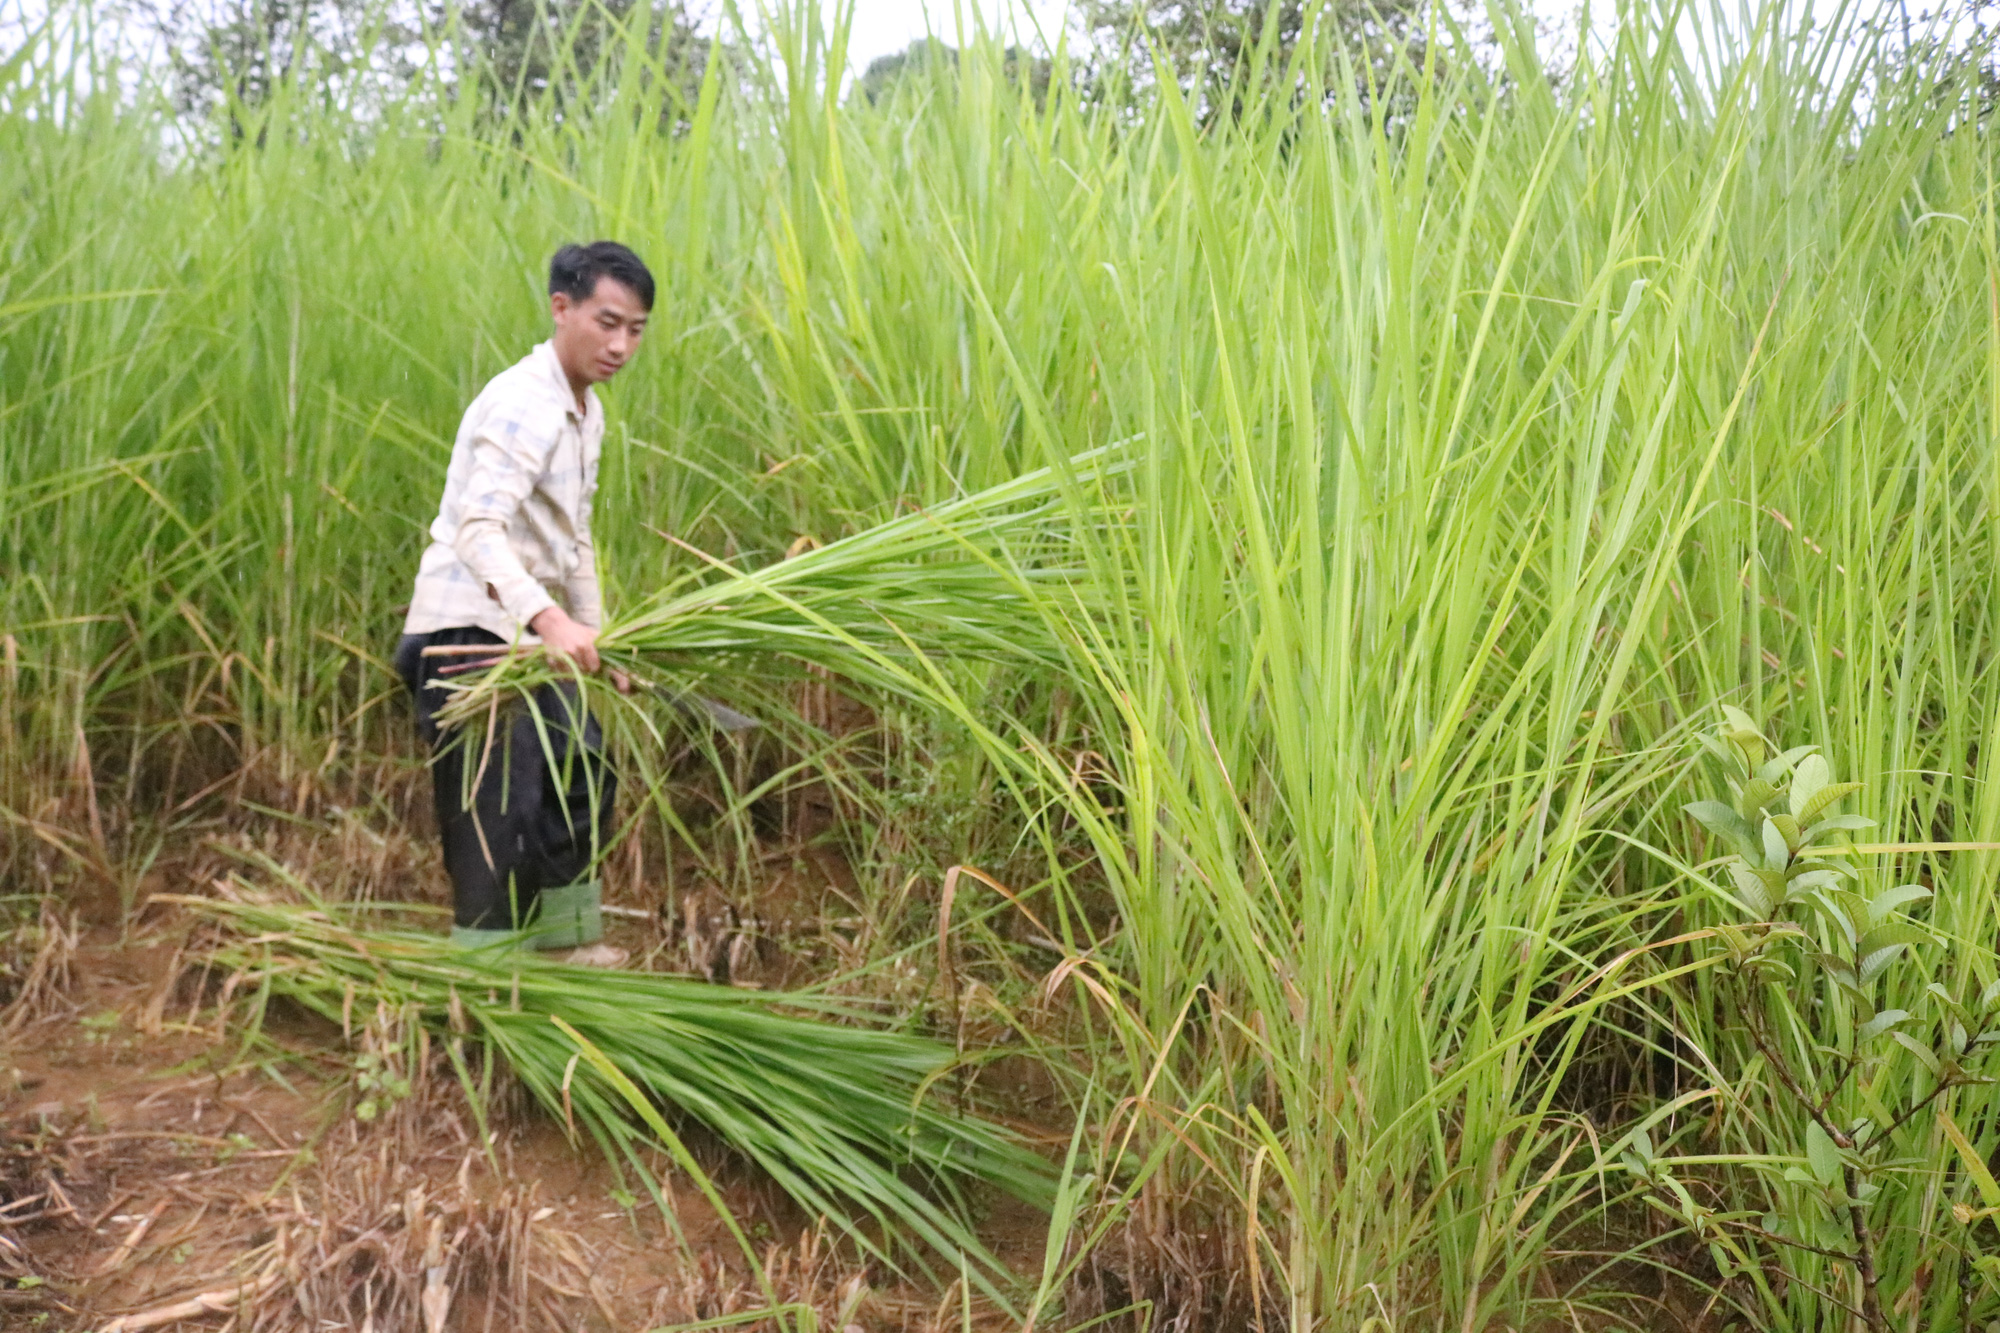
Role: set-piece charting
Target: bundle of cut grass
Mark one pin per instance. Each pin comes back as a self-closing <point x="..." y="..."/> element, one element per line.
<point x="831" y="1105"/>
<point x="994" y="576"/>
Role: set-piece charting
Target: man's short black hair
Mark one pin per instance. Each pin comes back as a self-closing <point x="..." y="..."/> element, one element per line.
<point x="576" y="268"/>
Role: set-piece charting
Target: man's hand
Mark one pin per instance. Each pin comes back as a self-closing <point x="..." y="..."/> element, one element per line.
<point x="565" y="637"/>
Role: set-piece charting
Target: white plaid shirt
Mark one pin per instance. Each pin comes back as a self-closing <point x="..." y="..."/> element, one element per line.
<point x="512" y="537"/>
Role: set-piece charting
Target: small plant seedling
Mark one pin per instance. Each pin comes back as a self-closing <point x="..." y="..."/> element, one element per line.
<point x="380" y="1084"/>
<point x="1808" y="954"/>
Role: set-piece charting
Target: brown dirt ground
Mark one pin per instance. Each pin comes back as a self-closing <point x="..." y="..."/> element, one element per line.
<point x="147" y="1159"/>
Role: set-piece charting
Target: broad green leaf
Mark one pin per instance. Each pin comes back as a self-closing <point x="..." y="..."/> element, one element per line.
<point x="1739" y="721"/>
<point x="1874" y="960"/>
<point x="1753" y="889"/>
<point x="1724" y="822"/>
<point x="1824" y="1156"/>
<point x="1774" y="965"/>
<point x="1774" y="771"/>
<point x="1840" y="910"/>
<point x="1925" y="1055"/>
<point x="1889" y="900"/>
<point x="1837" y="823"/>
<point x="1893" y="932"/>
<point x="1808" y="776"/>
<point x="1738" y="726"/>
<point x="1777" y="853"/>
<point x="1812" y="865"/>
<point x="1879" y="1024"/>
<point x="1822" y="798"/>
<point x="1757" y="794"/>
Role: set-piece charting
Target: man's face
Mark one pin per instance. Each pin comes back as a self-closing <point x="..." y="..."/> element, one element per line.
<point x="597" y="335"/>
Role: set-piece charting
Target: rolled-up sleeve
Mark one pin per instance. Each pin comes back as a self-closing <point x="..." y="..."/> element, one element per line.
<point x="509" y="455"/>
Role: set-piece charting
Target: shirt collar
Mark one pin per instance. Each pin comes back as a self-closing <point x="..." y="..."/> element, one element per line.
<point x="558" y="378"/>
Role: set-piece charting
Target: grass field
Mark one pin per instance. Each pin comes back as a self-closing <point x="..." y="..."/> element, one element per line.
<point x="1471" y="458"/>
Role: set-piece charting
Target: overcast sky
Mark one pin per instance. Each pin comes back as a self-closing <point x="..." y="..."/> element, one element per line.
<point x="882" y="26"/>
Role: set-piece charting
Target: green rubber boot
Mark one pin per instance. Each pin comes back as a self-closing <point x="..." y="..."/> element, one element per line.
<point x="568" y="917"/>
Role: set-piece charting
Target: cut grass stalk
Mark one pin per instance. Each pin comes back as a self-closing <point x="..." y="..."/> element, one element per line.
<point x="835" y="1108"/>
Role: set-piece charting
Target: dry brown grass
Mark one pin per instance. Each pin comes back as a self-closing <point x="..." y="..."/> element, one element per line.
<point x="379" y="1246"/>
<point x="1177" y="1264"/>
<point x="405" y="1223"/>
<point x="810" y="1272"/>
<point x="37" y="968"/>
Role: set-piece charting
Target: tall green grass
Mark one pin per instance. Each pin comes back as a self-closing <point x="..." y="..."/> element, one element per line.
<point x="1477" y="453"/>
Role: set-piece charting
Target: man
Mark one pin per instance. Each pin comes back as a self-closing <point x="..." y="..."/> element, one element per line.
<point x="511" y="561"/>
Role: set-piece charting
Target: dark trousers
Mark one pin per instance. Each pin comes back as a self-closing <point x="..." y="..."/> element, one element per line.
<point x="528" y="811"/>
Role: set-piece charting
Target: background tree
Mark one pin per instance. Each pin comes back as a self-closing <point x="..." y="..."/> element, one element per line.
<point x="1210" y="44"/>
<point x="508" y="52"/>
<point x="531" y="48"/>
<point x="879" y="80"/>
<point x="237" y="52"/>
<point x="930" y="55"/>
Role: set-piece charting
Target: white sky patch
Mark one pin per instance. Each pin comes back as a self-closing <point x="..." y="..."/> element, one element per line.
<point x="882" y="27"/>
